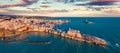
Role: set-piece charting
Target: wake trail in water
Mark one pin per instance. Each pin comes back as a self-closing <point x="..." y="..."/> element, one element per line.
<point x="112" y="47"/>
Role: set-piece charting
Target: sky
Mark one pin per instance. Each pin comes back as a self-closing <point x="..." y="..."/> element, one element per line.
<point x="56" y="8"/>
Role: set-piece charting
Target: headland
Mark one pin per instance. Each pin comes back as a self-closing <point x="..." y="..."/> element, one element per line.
<point x="15" y="26"/>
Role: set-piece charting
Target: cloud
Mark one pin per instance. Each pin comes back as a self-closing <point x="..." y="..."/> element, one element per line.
<point x="21" y="3"/>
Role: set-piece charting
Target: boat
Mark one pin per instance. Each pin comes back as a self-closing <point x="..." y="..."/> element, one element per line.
<point x="117" y="45"/>
<point x="88" y="22"/>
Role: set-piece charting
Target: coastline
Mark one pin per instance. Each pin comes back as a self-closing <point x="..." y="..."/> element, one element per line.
<point x="23" y="25"/>
<point x="39" y="17"/>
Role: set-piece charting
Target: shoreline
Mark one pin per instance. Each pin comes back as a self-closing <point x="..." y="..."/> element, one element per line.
<point x="18" y="26"/>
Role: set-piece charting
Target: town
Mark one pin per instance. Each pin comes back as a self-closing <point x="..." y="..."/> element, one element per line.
<point x="16" y="26"/>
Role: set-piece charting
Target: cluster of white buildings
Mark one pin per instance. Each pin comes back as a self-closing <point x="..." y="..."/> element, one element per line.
<point x="33" y="24"/>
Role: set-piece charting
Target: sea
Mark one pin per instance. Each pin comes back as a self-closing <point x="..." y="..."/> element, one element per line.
<point x="107" y="28"/>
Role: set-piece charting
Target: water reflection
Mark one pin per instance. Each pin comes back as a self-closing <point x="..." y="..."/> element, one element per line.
<point x="25" y="38"/>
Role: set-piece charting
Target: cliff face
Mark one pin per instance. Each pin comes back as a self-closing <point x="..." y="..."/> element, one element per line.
<point x="24" y="28"/>
<point x="93" y="39"/>
<point x="73" y="34"/>
<point x="2" y="31"/>
<point x="5" y="32"/>
<point x="76" y="35"/>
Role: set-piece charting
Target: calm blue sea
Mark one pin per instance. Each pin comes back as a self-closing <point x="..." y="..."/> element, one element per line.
<point x="105" y="28"/>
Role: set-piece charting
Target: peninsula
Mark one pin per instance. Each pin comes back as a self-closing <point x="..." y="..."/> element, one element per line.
<point x="16" y="26"/>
